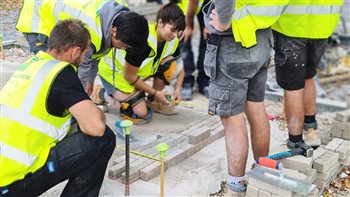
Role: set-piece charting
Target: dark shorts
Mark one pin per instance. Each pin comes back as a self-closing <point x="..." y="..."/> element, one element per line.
<point x="237" y="74"/>
<point x="296" y="60"/>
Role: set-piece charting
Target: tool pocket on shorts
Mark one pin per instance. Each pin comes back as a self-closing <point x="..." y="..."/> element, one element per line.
<point x="218" y="99"/>
<point x="240" y="70"/>
<point x="210" y="61"/>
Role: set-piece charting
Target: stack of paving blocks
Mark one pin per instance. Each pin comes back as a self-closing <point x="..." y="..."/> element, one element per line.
<point x="318" y="170"/>
<point x="182" y="144"/>
<point x="341" y="125"/>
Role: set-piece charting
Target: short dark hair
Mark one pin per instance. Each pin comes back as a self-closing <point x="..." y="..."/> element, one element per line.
<point x="132" y="29"/>
<point x="172" y="14"/>
<point x="69" y="33"/>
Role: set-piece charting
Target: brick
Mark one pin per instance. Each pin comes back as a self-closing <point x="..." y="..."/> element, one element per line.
<point x="343" y="116"/>
<point x="314" y="193"/>
<point x="345" y="162"/>
<point x="263" y="193"/>
<point x="318" y="153"/>
<point x="334" y="144"/>
<point x="344" y="150"/>
<point x="336" y="133"/>
<point x="116" y="171"/>
<point x="175" y="157"/>
<point x="325" y="161"/>
<point x="214" y="135"/>
<point x="325" y="176"/>
<point x="346" y="134"/>
<point x="150" y="171"/>
<point x="311" y="174"/>
<point x="268" y="187"/>
<point x="297" y="162"/>
<point x="275" y="195"/>
<point x="320" y="184"/>
<point x="343" y="126"/>
<point x="197" y="135"/>
<point x="252" y="191"/>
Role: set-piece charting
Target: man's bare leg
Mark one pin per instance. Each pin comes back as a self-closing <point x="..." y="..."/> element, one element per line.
<point x="236" y="139"/>
<point x="309" y="97"/>
<point x="294" y="111"/>
<point x="259" y="128"/>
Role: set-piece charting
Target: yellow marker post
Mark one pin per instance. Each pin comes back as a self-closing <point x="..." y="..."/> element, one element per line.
<point x="126" y="125"/>
<point x="162" y="148"/>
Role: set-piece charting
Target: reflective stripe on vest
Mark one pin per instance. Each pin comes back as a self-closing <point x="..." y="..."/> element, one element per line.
<point x="36" y="17"/>
<point x="312" y="9"/>
<point x="147" y="68"/>
<point x="16" y="155"/>
<point x="313" y="20"/>
<point x="28" y="114"/>
<point x="250" y="16"/>
<point x="94" y="29"/>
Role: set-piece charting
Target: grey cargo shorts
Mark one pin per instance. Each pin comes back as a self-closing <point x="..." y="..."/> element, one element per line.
<point x="237" y="74"/>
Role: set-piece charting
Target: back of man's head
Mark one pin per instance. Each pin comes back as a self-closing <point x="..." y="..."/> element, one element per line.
<point x="69" y="33"/>
<point x="132" y="29"/>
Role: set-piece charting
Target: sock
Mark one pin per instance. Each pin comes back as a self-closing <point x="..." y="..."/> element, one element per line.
<point x="235" y="180"/>
<point x="296" y="138"/>
<point x="310" y="119"/>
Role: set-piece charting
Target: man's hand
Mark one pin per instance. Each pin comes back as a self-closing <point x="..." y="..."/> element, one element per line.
<point x="89" y="88"/>
<point x="160" y="97"/>
<point x="214" y="21"/>
<point x="187" y="33"/>
<point x="177" y="95"/>
<point x="206" y="33"/>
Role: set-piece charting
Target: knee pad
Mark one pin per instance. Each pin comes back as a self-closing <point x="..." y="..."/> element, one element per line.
<point x="127" y="112"/>
<point x="166" y="71"/>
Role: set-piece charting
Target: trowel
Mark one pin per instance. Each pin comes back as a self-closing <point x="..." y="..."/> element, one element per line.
<point x="279" y="180"/>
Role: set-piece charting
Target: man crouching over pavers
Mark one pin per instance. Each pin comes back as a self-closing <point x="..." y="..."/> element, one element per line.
<point x="37" y="107"/>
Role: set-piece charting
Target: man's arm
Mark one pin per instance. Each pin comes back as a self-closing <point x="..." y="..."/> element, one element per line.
<point x="220" y="17"/>
<point x="91" y="119"/>
<point x="87" y="72"/>
<point x="191" y="11"/>
<point x="132" y="78"/>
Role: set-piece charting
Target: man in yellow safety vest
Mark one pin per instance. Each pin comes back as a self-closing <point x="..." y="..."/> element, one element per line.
<point x="37" y="108"/>
<point x="109" y="23"/>
<point x="301" y="35"/>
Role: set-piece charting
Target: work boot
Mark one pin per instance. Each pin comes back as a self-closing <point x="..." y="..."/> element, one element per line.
<point x="97" y="95"/>
<point x="310" y="135"/>
<point x="161" y="108"/>
<point x="292" y="145"/>
<point x="227" y="190"/>
<point x="186" y="92"/>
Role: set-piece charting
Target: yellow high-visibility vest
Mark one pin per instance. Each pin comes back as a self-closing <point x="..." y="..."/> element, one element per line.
<point x="250" y="16"/>
<point x="27" y="129"/>
<point x="40" y="16"/>
<point x="315" y="19"/>
<point x="148" y="67"/>
<point x="183" y="4"/>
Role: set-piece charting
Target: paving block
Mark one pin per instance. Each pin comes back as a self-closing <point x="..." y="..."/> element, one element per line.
<point x="263" y="193"/>
<point x="214" y="135"/>
<point x="175" y="157"/>
<point x="326" y="161"/>
<point x="329" y="173"/>
<point x="334" y="144"/>
<point x="343" y="126"/>
<point x="346" y="134"/>
<point x="150" y="171"/>
<point x="340" y="146"/>
<point x="268" y="187"/>
<point x="320" y="184"/>
<point x="297" y="162"/>
<point x="116" y="171"/>
<point x="345" y="162"/>
<point x="318" y="153"/>
<point x="343" y="116"/>
<point x="252" y="191"/>
<point x="198" y="134"/>
<point x="193" y="149"/>
<point x="293" y="174"/>
<point x="336" y="132"/>
<point x="311" y="174"/>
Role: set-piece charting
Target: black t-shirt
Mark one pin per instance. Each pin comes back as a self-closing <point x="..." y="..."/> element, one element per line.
<point x="66" y="91"/>
<point x="136" y="58"/>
